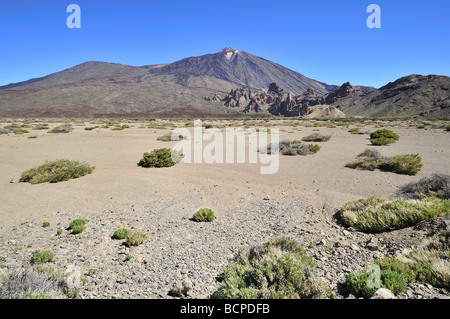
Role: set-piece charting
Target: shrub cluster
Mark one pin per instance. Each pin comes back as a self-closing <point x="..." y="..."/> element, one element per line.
<point x="278" y="269"/>
<point x="43" y="256"/>
<point x="408" y="164"/>
<point x="56" y="171"/>
<point x="383" y="137"/>
<point x="316" y="137"/>
<point x="163" y="157"/>
<point x="77" y="226"/>
<point x="286" y="147"/>
<point x="434" y="185"/>
<point x="121" y="233"/>
<point x="204" y="215"/>
<point x="365" y="282"/>
<point x="374" y="215"/>
<point x="135" y="238"/>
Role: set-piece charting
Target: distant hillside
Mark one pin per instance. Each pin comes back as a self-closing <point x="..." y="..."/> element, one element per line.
<point x="175" y="89"/>
<point x="413" y="95"/>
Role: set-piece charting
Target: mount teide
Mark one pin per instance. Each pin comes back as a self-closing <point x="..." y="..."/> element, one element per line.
<point x="176" y="89"/>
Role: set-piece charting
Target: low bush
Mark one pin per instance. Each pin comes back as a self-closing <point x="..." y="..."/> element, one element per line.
<point x="315" y="137"/>
<point x="121" y="233"/>
<point x="374" y="215"/>
<point x="204" y="215"/>
<point x="367" y="160"/>
<point x="163" y="157"/>
<point x="383" y="137"/>
<point x="77" y="226"/>
<point x="28" y="283"/>
<point x="56" y="171"/>
<point x="61" y="129"/>
<point x="434" y="185"/>
<point x="135" y="238"/>
<point x="278" y="269"/>
<point x="20" y="131"/>
<point x="168" y="137"/>
<point x="39" y="257"/>
<point x="365" y="282"/>
<point x="286" y="147"/>
<point x="408" y="164"/>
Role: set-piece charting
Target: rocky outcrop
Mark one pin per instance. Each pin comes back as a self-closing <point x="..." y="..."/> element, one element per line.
<point x="277" y="101"/>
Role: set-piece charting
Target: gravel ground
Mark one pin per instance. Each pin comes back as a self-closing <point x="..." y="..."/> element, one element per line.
<point x="180" y="249"/>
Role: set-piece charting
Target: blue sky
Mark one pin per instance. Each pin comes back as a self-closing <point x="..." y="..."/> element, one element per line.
<point x="325" y="40"/>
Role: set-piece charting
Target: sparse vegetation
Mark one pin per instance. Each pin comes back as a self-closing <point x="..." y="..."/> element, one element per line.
<point x="29" y="283"/>
<point x="77" y="226"/>
<point x="56" y="171"/>
<point x="383" y="137"/>
<point x="286" y="147"/>
<point x="374" y="215"/>
<point x="61" y="129"/>
<point x="168" y="137"/>
<point x="43" y="256"/>
<point x="278" y="269"/>
<point x="204" y="215"/>
<point x="121" y="233"/>
<point x="434" y="185"/>
<point x="315" y="137"/>
<point x="365" y="282"/>
<point x="367" y="160"/>
<point x="135" y="238"/>
<point x="409" y="164"/>
<point x="163" y="157"/>
<point x="45" y="224"/>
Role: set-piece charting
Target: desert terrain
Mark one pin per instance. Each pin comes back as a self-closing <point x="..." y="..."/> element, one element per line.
<point x="299" y="201"/>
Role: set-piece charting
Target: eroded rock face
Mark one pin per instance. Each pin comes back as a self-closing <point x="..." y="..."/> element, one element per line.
<point x="276" y="101"/>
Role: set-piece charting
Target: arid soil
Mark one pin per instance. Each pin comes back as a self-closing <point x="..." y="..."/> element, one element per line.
<point x="299" y="201"/>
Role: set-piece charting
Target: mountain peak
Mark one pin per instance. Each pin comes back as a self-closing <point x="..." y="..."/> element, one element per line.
<point x="228" y="49"/>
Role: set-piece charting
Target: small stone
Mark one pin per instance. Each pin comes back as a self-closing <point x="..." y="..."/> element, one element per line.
<point x="372" y="244"/>
<point x="267" y="197"/>
<point x="383" y="293"/>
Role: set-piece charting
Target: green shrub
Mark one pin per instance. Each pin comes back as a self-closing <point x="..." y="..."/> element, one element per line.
<point x="121" y="233"/>
<point x="374" y="215"/>
<point x="77" y="226"/>
<point x="204" y="215"/>
<point x="315" y="137"/>
<point x="90" y="128"/>
<point x="383" y="137"/>
<point x="136" y="238"/>
<point x="163" y="157"/>
<point x="408" y="164"/>
<point x="20" y="131"/>
<point x="448" y="128"/>
<point x="42" y="256"/>
<point x="367" y="160"/>
<point x="279" y="269"/>
<point x="56" y="171"/>
<point x="365" y="282"/>
<point x="434" y="185"/>
<point x="410" y="271"/>
<point x="45" y="224"/>
<point x="314" y="148"/>
<point x="61" y="129"/>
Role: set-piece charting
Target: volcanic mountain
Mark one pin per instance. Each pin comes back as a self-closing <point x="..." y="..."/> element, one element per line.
<point x="175" y="89"/>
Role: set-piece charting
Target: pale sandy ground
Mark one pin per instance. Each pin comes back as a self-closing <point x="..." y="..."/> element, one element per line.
<point x="118" y="183"/>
